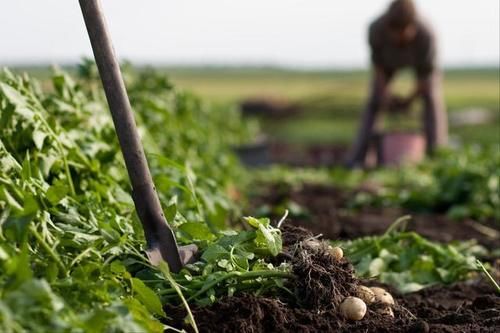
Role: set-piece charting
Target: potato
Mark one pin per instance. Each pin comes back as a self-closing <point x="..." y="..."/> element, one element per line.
<point x="336" y="252"/>
<point x="382" y="296"/>
<point x="366" y="294"/>
<point x="353" y="308"/>
<point x="386" y="311"/>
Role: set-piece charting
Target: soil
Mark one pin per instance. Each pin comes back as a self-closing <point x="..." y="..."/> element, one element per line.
<point x="321" y="284"/>
<point x="269" y="107"/>
<point x="326" y="214"/>
<point x="318" y="155"/>
<point x="463" y="307"/>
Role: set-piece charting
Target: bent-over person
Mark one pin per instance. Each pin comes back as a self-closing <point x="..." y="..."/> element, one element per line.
<point x="401" y="39"/>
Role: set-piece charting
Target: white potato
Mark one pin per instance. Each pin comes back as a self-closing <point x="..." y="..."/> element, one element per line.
<point x="366" y="294"/>
<point x="382" y="296"/>
<point x="353" y="308"/>
<point x="336" y="252"/>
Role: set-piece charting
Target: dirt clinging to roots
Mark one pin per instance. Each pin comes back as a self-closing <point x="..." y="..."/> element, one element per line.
<point x="322" y="281"/>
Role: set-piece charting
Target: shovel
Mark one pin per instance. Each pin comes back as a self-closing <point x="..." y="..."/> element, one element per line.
<point x="161" y="242"/>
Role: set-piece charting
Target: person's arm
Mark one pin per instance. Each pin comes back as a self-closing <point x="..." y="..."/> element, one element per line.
<point x="421" y="88"/>
<point x="380" y="77"/>
<point x="381" y="84"/>
<point x="426" y="63"/>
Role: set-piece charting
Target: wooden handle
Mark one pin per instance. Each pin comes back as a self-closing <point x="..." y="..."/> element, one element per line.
<point x="158" y="233"/>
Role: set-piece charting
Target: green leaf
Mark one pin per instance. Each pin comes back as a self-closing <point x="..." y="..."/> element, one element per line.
<point x="170" y="212"/>
<point x="13" y="96"/>
<point x="272" y="239"/>
<point x="215" y="252"/>
<point x="56" y="193"/>
<point x="147" y="297"/>
<point x="376" y="267"/>
<point x="11" y="201"/>
<point x="16" y="227"/>
<point x="39" y="138"/>
<point x="197" y="231"/>
<point x="118" y="267"/>
<point x="19" y="268"/>
<point x="141" y="315"/>
<point x="257" y="222"/>
<point x="3" y="254"/>
<point x="45" y="163"/>
<point x="230" y="240"/>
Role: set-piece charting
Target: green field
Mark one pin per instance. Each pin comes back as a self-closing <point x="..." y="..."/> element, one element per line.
<point x="332" y="100"/>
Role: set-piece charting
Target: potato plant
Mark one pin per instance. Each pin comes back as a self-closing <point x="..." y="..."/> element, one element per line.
<point x="410" y="262"/>
<point x="464" y="183"/>
<point x="71" y="248"/>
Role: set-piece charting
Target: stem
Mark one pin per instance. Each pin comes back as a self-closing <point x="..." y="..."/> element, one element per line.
<point x="4" y="181"/>
<point x="166" y="272"/>
<point x="400" y="221"/>
<point x="283" y="218"/>
<point x="49" y="250"/>
<point x="241" y="277"/>
<point x="83" y="254"/>
<point x="480" y="264"/>
<point x="63" y="156"/>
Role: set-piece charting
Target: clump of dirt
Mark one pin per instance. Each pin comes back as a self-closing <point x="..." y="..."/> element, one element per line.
<point x="292" y="235"/>
<point x="322" y="281"/>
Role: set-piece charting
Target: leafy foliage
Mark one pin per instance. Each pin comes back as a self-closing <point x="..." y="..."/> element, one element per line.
<point x="410" y="262"/>
<point x="233" y="263"/>
<point x="65" y="213"/>
<point x="71" y="249"/>
<point x="463" y="183"/>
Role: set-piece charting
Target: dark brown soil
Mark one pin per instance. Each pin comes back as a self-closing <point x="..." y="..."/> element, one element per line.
<point x="318" y="155"/>
<point x="463" y="307"/>
<point x="325" y="214"/>
<point x="425" y="311"/>
<point x="269" y="107"/>
<point x="322" y="282"/>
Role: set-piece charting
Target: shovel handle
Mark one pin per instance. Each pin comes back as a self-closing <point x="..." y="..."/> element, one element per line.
<point x="158" y="233"/>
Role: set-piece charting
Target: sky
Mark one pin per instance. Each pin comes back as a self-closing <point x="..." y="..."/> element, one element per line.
<point x="297" y="33"/>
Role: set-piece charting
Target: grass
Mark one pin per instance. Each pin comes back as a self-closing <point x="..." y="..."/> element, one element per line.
<point x="332" y="101"/>
<point x="312" y="130"/>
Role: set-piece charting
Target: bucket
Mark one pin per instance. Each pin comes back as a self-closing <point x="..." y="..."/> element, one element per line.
<point x="399" y="148"/>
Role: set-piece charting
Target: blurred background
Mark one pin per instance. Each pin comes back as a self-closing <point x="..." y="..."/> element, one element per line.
<point x="302" y="67"/>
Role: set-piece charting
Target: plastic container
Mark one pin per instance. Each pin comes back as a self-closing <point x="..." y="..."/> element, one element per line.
<point x="399" y="148"/>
